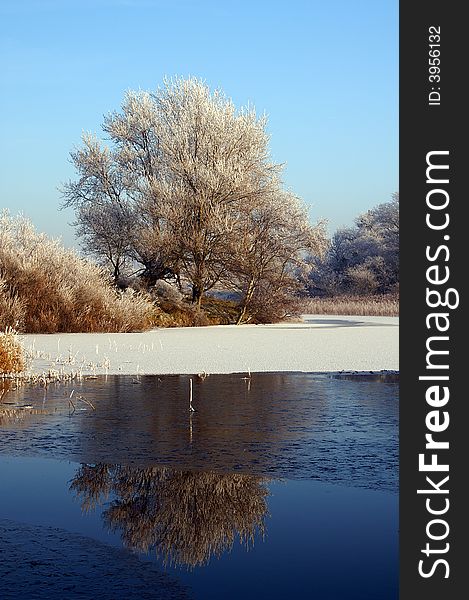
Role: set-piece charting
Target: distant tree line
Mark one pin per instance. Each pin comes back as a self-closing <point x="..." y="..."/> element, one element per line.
<point x="363" y="259"/>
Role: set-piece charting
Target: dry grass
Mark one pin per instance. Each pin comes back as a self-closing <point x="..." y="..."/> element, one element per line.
<point x="11" y="353"/>
<point x="219" y="311"/>
<point x="45" y="288"/>
<point x="370" y="306"/>
<point x="181" y="313"/>
<point x="181" y="316"/>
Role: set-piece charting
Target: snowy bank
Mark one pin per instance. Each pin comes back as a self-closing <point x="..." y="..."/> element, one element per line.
<point x="318" y="344"/>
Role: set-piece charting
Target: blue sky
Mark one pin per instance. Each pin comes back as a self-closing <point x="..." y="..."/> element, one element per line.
<point x="326" y="74"/>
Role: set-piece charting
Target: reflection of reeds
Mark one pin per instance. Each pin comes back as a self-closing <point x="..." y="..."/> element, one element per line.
<point x="187" y="517"/>
<point x="41" y="379"/>
<point x="79" y="399"/>
<point x="191" y="408"/>
<point x="15" y="414"/>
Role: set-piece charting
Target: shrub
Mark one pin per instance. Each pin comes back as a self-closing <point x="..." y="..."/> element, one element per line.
<point x="185" y="315"/>
<point x="11" y="353"/>
<point x="362" y="280"/>
<point x="11" y="307"/>
<point x="220" y="311"/>
<point x="45" y="288"/>
<point x="272" y="303"/>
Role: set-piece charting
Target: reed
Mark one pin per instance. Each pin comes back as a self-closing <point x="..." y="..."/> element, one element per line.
<point x="379" y="306"/>
<point x="12" y="359"/>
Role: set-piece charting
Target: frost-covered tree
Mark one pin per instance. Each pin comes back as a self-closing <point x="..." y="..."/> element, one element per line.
<point x="362" y="259"/>
<point x="180" y="188"/>
<point x="104" y="210"/>
<point x="271" y="244"/>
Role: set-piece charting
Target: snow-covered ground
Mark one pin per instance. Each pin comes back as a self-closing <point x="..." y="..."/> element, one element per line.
<point x="319" y="343"/>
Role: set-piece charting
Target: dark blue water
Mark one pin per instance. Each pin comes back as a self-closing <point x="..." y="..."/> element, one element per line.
<point x="281" y="486"/>
<point x="296" y="425"/>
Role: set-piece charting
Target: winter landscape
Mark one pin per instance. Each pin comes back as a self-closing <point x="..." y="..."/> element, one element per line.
<point x="198" y="370"/>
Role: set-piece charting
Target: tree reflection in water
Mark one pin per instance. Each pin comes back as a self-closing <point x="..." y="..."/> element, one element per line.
<point x="186" y="517"/>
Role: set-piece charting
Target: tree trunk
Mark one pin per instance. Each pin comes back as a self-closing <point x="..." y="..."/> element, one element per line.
<point x="247" y="300"/>
<point x="116" y="274"/>
<point x="196" y="294"/>
<point x="198" y="282"/>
